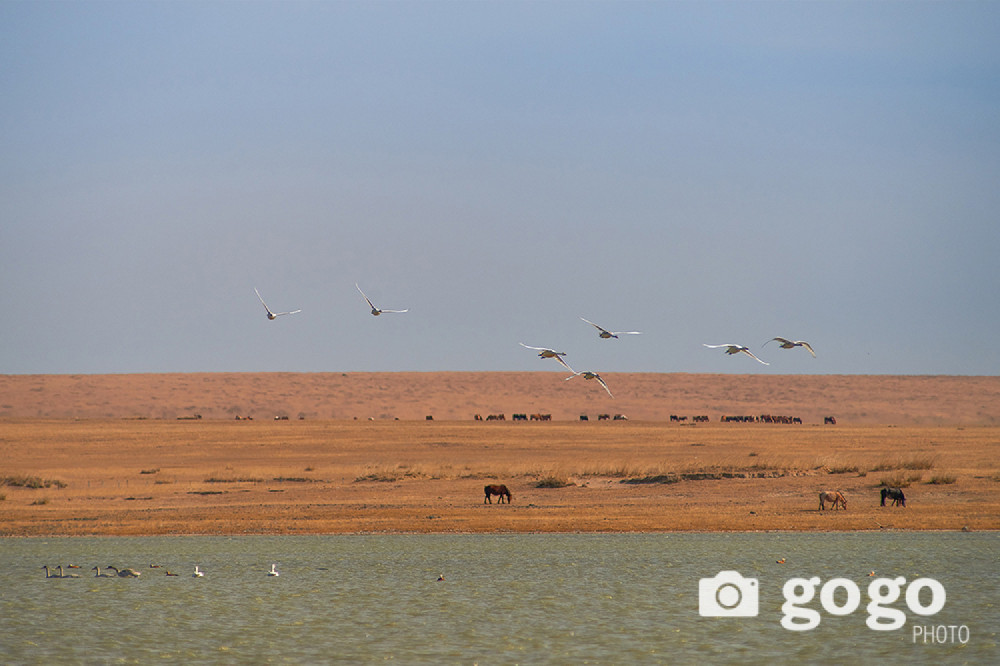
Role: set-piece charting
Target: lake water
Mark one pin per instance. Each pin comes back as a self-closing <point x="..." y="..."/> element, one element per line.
<point x="530" y="599"/>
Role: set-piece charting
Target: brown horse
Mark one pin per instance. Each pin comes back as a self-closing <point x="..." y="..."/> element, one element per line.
<point x="834" y="496"/>
<point x="496" y="489"/>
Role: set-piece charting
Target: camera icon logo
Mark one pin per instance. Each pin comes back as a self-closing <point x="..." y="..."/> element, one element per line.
<point x="728" y="594"/>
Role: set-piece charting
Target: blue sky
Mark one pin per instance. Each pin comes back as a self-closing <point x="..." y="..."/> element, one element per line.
<point x="702" y="172"/>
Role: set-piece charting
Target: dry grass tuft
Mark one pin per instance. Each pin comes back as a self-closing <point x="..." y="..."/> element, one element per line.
<point x="34" y="482"/>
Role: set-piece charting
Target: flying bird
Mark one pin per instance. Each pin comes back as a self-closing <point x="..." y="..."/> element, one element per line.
<point x="544" y="352"/>
<point x="791" y="344"/>
<point x="736" y="349"/>
<point x="605" y="333"/>
<point x="272" y="315"/>
<point x="586" y="374"/>
<point x="375" y="311"/>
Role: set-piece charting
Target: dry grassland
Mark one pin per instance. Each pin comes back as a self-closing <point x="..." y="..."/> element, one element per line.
<point x="129" y="477"/>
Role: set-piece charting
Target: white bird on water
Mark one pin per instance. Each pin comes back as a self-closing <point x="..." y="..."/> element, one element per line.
<point x="272" y="315"/>
<point x="605" y="333"/>
<point x="376" y="311"/>
<point x="273" y="571"/>
<point x="101" y="575"/>
<point x="736" y="349"/>
<point x="198" y="573"/>
<point x="545" y="352"/>
<point x="591" y="375"/>
<point x="791" y="344"/>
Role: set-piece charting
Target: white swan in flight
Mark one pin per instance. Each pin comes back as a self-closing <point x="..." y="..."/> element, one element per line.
<point x="375" y="311"/>
<point x="198" y="573"/>
<point x="272" y="315"/>
<point x="544" y="352"/>
<point x="791" y="344"/>
<point x="736" y="349"/>
<point x="591" y="375"/>
<point x="273" y="571"/>
<point x="605" y="333"/>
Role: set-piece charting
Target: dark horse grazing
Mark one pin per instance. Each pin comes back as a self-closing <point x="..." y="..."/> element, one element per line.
<point x="496" y="489"/>
<point x="895" y="494"/>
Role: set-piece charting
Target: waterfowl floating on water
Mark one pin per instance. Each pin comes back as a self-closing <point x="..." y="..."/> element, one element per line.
<point x="198" y="573"/>
<point x="101" y="575"/>
<point x="273" y="571"/>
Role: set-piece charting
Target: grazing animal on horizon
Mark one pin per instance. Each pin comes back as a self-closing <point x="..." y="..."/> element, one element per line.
<point x="496" y="489"/>
<point x="894" y="494"/>
<point x="834" y="496"/>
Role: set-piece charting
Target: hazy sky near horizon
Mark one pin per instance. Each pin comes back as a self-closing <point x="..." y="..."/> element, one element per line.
<point x="701" y="172"/>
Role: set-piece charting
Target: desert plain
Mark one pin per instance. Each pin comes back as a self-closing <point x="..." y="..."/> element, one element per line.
<point x="326" y="453"/>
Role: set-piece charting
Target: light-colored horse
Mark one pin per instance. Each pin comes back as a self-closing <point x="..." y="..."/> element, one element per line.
<point x="834" y="496"/>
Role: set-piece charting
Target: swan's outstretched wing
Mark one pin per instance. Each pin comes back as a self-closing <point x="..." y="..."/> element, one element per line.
<point x="730" y="348"/>
<point x="603" y="383"/>
<point x="270" y="315"/>
<point x="370" y="304"/>
<point x="805" y="344"/>
<point x="750" y="354"/>
<point x="599" y="328"/>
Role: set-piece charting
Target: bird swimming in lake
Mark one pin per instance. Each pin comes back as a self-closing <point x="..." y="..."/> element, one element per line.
<point x="198" y="573"/>
<point x="605" y="333"/>
<point x="736" y="349"/>
<point x="376" y="311"/>
<point x="440" y="578"/>
<point x="544" y="352"/>
<point x="781" y="561"/>
<point x="66" y="575"/>
<point x="171" y="574"/>
<point x="586" y="374"/>
<point x="49" y="574"/>
<point x="124" y="573"/>
<point x="272" y="315"/>
<point x="101" y="575"/>
<point x="791" y="344"/>
<point x="273" y="571"/>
